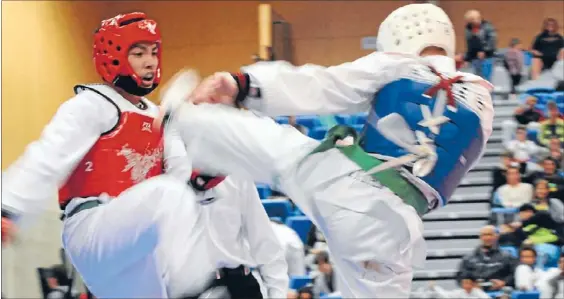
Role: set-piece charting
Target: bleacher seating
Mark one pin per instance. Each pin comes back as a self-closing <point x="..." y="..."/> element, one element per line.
<point x="296" y="282"/>
<point x="277" y="208"/>
<point x="300" y="224"/>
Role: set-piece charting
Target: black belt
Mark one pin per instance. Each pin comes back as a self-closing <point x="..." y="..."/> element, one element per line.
<point x="239" y="271"/>
<point x="81" y="207"/>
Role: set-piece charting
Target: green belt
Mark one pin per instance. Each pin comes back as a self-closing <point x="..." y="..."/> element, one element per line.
<point x="83" y="206"/>
<point x="390" y="178"/>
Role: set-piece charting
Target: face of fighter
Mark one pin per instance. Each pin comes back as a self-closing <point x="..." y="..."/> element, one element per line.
<point x="143" y="59"/>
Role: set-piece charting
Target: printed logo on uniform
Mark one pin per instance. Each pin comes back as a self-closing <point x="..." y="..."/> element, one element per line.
<point x="147" y="127"/>
<point x="139" y="164"/>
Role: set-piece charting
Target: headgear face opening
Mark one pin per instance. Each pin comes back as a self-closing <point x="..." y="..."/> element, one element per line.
<point x="112" y="42"/>
<point x="412" y="28"/>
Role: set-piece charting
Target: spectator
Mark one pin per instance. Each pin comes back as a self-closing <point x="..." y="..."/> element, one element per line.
<point x="553" y="127"/>
<point x="306" y="292"/>
<point x="495" y="267"/>
<point x="542" y="202"/>
<point x="527" y="274"/>
<point x="292" y="122"/>
<point x="522" y="148"/>
<point x="536" y="227"/>
<point x="499" y="177"/>
<point x="551" y="285"/>
<point x="526" y="115"/>
<point x="292" y="294"/>
<point x="558" y="71"/>
<point x="546" y="47"/>
<point x="59" y="283"/>
<point x="325" y="282"/>
<point x="469" y="290"/>
<point x="555" y="152"/>
<point x="549" y="173"/>
<point x="293" y="248"/>
<point x="514" y="61"/>
<point x="481" y="40"/>
<point x="515" y="193"/>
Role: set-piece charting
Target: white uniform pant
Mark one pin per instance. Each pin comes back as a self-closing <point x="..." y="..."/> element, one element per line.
<point x="149" y="242"/>
<point x="374" y="239"/>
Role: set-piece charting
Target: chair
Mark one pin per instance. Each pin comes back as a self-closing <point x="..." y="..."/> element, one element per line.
<point x="510" y="249"/>
<point x="308" y="121"/>
<point x="298" y="282"/>
<point x="277" y="208"/>
<point x="525" y="295"/>
<point x="264" y="191"/>
<point x="318" y="133"/>
<point x="301" y="225"/>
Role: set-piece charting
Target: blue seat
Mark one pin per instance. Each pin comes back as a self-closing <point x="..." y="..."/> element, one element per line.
<point x="358" y="128"/>
<point x="318" y="133"/>
<point x="343" y="119"/>
<point x="525" y="295"/>
<point x="264" y="191"/>
<point x="528" y="58"/>
<point x="505" y="210"/>
<point x="540" y="90"/>
<point x="281" y="120"/>
<point x="510" y="249"/>
<point x="301" y="225"/>
<point x="547" y="255"/>
<point x="494" y="294"/>
<point x="329" y="296"/>
<point x="298" y="282"/>
<point x="277" y="208"/>
<point x="308" y="121"/>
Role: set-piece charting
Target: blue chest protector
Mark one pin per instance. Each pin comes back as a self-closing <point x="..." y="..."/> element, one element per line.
<point x="458" y="143"/>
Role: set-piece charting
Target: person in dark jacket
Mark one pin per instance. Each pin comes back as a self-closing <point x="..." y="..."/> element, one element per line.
<point x="481" y="43"/>
<point x="493" y="268"/>
<point x="546" y="47"/>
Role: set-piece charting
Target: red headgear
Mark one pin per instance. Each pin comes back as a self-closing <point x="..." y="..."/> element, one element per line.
<point x="112" y="42"/>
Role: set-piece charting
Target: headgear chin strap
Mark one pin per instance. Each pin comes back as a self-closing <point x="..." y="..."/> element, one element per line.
<point x="130" y="86"/>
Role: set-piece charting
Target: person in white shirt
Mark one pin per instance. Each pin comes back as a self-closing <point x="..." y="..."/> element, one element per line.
<point x="129" y="230"/>
<point x="523" y="149"/>
<point x="428" y="125"/>
<point x="526" y="273"/>
<point x="243" y="238"/>
<point x="551" y="284"/>
<point x="515" y="193"/>
<point x="469" y="289"/>
<point x="293" y="246"/>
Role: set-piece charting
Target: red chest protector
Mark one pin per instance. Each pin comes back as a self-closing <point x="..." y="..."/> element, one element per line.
<point x="129" y="153"/>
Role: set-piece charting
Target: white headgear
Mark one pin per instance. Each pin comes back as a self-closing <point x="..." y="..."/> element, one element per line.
<point x="412" y="28"/>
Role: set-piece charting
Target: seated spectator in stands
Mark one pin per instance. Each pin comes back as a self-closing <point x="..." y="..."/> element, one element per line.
<point x="549" y="173"/>
<point x="527" y="273"/>
<point x="325" y="280"/>
<point x="523" y="149"/>
<point x="292" y="122"/>
<point x="59" y="283"/>
<point x="558" y="71"/>
<point x="525" y="115"/>
<point x="515" y="193"/>
<point x="292" y="294"/>
<point x="315" y="244"/>
<point x="306" y="292"/>
<point x="514" y="62"/>
<point x="469" y="289"/>
<point x="553" y="127"/>
<point x="556" y="152"/>
<point x="499" y="172"/>
<point x="543" y="202"/>
<point x="536" y="227"/>
<point x="293" y="248"/>
<point x="551" y="284"/>
<point x="546" y="47"/>
<point x="481" y="43"/>
<point x="488" y="263"/>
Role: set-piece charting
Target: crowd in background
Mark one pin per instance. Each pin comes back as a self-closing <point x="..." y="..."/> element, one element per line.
<point x="529" y="180"/>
